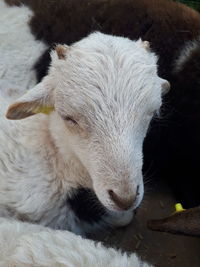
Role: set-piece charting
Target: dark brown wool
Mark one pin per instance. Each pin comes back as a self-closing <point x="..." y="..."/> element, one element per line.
<point x="171" y="149"/>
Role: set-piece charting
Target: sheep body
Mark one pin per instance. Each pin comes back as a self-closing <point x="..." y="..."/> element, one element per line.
<point x="18" y="48"/>
<point x="24" y="245"/>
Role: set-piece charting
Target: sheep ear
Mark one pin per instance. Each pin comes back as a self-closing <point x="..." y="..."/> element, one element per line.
<point x="37" y="100"/>
<point x="61" y="51"/>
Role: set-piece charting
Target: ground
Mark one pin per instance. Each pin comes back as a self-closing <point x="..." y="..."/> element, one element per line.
<point x="160" y="249"/>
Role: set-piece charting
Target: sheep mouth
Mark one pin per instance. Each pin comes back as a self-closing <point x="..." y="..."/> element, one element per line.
<point x="86" y="205"/>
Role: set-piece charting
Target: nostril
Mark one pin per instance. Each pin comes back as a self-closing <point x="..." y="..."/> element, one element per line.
<point x="110" y="192"/>
<point x="122" y="203"/>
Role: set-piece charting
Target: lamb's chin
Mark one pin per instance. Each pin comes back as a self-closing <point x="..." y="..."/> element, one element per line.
<point x="120" y="218"/>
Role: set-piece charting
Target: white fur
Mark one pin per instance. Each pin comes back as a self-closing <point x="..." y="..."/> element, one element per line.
<point x="18" y="48"/>
<point x="25" y="245"/>
<point x="109" y="85"/>
<point x="185" y="54"/>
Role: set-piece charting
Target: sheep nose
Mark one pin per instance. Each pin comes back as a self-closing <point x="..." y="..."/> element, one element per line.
<point x="122" y="203"/>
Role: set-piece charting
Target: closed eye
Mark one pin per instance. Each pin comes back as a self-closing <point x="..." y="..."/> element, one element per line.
<point x="70" y="119"/>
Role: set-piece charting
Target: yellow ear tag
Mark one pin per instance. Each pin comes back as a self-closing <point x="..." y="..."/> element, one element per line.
<point x="43" y="109"/>
<point x="179" y="207"/>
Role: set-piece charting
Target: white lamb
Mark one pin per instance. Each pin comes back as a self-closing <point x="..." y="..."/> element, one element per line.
<point x="28" y="245"/>
<point x="103" y="92"/>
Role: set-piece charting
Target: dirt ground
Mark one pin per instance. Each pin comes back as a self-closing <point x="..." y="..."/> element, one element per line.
<point x="160" y="249"/>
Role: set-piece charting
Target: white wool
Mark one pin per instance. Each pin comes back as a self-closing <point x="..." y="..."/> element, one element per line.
<point x="24" y="245"/>
<point x="18" y="48"/>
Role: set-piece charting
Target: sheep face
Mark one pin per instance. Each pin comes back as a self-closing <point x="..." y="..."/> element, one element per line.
<point x="104" y="91"/>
